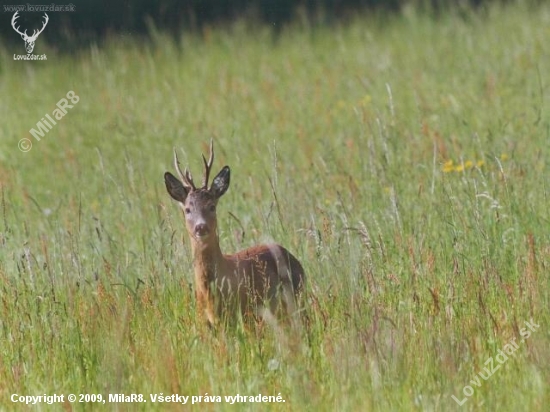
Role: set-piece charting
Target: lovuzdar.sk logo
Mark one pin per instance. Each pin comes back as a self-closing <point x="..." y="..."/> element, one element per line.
<point x="29" y="40"/>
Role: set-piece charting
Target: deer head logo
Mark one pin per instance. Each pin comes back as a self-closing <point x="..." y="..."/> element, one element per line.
<point x="29" y="40"/>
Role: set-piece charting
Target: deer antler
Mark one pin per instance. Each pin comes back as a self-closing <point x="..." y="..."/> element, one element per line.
<point x="37" y="32"/>
<point x="186" y="177"/>
<point x="13" y="21"/>
<point x="208" y="165"/>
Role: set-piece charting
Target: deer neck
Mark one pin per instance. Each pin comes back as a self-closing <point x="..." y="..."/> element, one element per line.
<point x="208" y="262"/>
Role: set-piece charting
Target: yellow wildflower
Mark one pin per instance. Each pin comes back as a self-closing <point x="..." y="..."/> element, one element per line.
<point x="448" y="166"/>
<point x="365" y="100"/>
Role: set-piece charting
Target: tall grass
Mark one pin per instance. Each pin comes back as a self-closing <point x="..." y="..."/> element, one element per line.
<point x="404" y="161"/>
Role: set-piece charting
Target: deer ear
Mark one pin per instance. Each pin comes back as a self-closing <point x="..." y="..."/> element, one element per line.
<point x="220" y="184"/>
<point x="175" y="188"/>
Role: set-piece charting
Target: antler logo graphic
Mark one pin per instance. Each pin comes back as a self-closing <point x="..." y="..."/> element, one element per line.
<point x="29" y="40"/>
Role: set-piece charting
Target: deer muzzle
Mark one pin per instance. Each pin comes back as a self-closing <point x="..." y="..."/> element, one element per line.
<point x="201" y="230"/>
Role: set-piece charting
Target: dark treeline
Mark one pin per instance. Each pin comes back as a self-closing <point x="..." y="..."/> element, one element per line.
<point x="93" y="20"/>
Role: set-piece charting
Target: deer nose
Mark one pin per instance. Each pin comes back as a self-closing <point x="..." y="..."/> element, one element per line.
<point x="201" y="229"/>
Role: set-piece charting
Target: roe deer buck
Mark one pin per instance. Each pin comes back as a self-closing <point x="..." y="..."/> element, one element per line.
<point x="261" y="281"/>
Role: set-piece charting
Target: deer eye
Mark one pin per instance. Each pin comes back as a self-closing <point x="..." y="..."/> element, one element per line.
<point x="187" y="210"/>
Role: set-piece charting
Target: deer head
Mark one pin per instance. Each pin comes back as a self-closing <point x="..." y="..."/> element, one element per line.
<point x="198" y="204"/>
<point x="29" y="40"/>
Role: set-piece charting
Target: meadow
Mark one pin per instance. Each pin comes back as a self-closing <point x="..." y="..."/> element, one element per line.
<point x="404" y="160"/>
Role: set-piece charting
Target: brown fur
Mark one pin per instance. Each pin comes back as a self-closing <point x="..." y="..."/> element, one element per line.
<point x="243" y="282"/>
